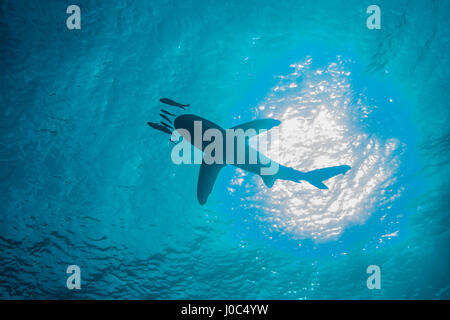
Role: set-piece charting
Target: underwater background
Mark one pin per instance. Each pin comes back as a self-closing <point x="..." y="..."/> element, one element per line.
<point x="84" y="180"/>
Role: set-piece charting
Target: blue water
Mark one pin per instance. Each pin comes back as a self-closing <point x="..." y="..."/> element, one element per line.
<point x="85" y="181"/>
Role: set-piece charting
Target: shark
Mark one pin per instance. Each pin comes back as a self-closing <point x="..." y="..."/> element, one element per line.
<point x="185" y="124"/>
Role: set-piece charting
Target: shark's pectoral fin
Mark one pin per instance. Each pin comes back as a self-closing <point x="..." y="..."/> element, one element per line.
<point x="206" y="178"/>
<point x="260" y="124"/>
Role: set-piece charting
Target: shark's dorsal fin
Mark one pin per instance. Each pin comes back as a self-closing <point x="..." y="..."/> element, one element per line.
<point x="206" y="178"/>
<point x="260" y="124"/>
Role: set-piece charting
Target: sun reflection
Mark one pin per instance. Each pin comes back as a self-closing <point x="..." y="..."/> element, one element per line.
<point x="317" y="110"/>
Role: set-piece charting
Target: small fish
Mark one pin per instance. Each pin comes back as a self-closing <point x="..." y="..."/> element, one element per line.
<point x="173" y="103"/>
<point x="165" y="117"/>
<point x="48" y="130"/>
<point x="168" y="113"/>
<point x="159" y="127"/>
<point x="166" y="125"/>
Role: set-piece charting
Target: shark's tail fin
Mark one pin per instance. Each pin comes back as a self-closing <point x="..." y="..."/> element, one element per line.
<point x="314" y="181"/>
<point x="316" y="177"/>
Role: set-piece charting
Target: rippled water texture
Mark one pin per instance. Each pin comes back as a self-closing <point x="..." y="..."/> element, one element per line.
<point x="85" y="181"/>
<point x="317" y="108"/>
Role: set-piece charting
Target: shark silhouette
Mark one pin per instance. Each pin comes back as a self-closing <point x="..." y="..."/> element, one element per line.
<point x="209" y="172"/>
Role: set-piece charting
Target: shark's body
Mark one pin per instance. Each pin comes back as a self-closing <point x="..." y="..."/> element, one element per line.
<point x="208" y="172"/>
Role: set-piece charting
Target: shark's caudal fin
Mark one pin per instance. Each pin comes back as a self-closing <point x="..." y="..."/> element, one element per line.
<point x="316" y="177"/>
<point x="316" y="183"/>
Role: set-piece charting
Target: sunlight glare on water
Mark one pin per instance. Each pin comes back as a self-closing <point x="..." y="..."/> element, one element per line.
<point x="319" y="128"/>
